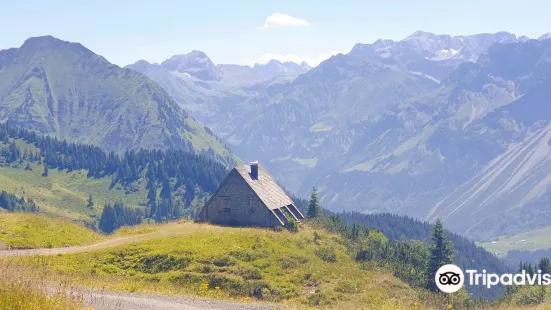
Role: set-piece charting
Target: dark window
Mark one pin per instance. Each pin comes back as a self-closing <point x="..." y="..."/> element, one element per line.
<point x="226" y="210"/>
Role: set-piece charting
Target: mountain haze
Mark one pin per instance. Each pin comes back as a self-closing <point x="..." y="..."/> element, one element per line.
<point x="408" y="126"/>
<point x="473" y="152"/>
<point x="212" y="92"/>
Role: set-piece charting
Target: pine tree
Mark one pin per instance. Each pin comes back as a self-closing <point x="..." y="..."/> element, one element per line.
<point x="189" y="195"/>
<point x="150" y="174"/>
<point x="545" y="265"/>
<point x="107" y="220"/>
<point x="356" y="232"/>
<point x="441" y="251"/>
<point x="314" y="209"/>
<point x="90" y="201"/>
<point x="152" y="201"/>
<point x="530" y="269"/>
<point x="119" y="215"/>
<point x="162" y="211"/>
<point x="167" y="207"/>
<point x="45" y="173"/>
<point x="14" y="152"/>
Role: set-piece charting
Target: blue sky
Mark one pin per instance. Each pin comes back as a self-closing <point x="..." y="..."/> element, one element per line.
<point x="238" y="31"/>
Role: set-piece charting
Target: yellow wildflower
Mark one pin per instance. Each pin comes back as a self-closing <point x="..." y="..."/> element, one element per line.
<point x="217" y="287"/>
<point x="450" y="306"/>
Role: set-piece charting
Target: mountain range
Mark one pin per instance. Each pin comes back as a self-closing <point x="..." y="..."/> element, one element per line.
<point x="431" y="126"/>
<point x="211" y="91"/>
<point x="420" y="126"/>
<point x="65" y="90"/>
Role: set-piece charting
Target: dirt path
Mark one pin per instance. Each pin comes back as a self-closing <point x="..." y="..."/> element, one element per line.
<point x="74" y="249"/>
<point x="126" y="301"/>
<point x="173" y="229"/>
<point x="105" y="300"/>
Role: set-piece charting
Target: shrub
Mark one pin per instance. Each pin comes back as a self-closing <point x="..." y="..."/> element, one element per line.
<point x="348" y="287"/>
<point x="224" y="261"/>
<point x="327" y="254"/>
<point x="188" y="278"/>
<point x="247" y="255"/>
<point x="323" y="299"/>
<point x="529" y="295"/>
<point x="162" y="263"/>
<point x="249" y="273"/>
<point x="292" y="226"/>
<point x="292" y="261"/>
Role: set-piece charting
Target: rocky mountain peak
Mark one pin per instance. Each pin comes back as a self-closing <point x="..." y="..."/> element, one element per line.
<point x="195" y="63"/>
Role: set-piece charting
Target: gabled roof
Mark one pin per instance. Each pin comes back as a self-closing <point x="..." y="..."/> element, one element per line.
<point x="271" y="194"/>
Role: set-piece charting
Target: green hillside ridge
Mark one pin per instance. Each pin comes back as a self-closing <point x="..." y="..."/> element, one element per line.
<point x="259" y="264"/>
<point x="65" y="194"/>
<point x="312" y="268"/>
<point x="65" y="90"/>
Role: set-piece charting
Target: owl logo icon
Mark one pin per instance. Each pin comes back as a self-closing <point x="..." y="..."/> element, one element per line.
<point x="449" y="278"/>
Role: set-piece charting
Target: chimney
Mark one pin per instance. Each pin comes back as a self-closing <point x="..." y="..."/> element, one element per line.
<point x="254" y="170"/>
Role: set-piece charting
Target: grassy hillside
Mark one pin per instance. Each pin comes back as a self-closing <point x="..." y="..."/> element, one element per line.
<point x="65" y="193"/>
<point x="28" y="230"/>
<point x="304" y="270"/>
<point x="238" y="263"/>
<point x="539" y="239"/>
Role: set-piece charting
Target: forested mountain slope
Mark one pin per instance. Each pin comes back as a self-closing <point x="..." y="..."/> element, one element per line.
<point x="65" y="90"/>
<point x="75" y="181"/>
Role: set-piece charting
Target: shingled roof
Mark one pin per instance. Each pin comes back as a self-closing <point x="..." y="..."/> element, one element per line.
<point x="265" y="187"/>
<point x="249" y="196"/>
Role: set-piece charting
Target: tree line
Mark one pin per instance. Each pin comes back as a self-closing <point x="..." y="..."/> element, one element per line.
<point x="183" y="166"/>
<point x="117" y="215"/>
<point x="12" y="203"/>
<point x="173" y="177"/>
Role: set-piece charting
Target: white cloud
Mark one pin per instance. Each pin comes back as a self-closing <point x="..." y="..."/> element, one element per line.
<point x="282" y="20"/>
<point x="311" y="60"/>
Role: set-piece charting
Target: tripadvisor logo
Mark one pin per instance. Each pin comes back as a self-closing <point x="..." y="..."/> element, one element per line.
<point x="450" y="278"/>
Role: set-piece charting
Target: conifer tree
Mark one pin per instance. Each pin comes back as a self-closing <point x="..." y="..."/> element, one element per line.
<point x="545" y="265"/>
<point x="189" y="195"/>
<point x="152" y="201"/>
<point x="314" y="209"/>
<point x="45" y="173"/>
<point x="530" y="269"/>
<point x="90" y="201"/>
<point x="441" y="253"/>
<point x="107" y="220"/>
<point x="117" y="215"/>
